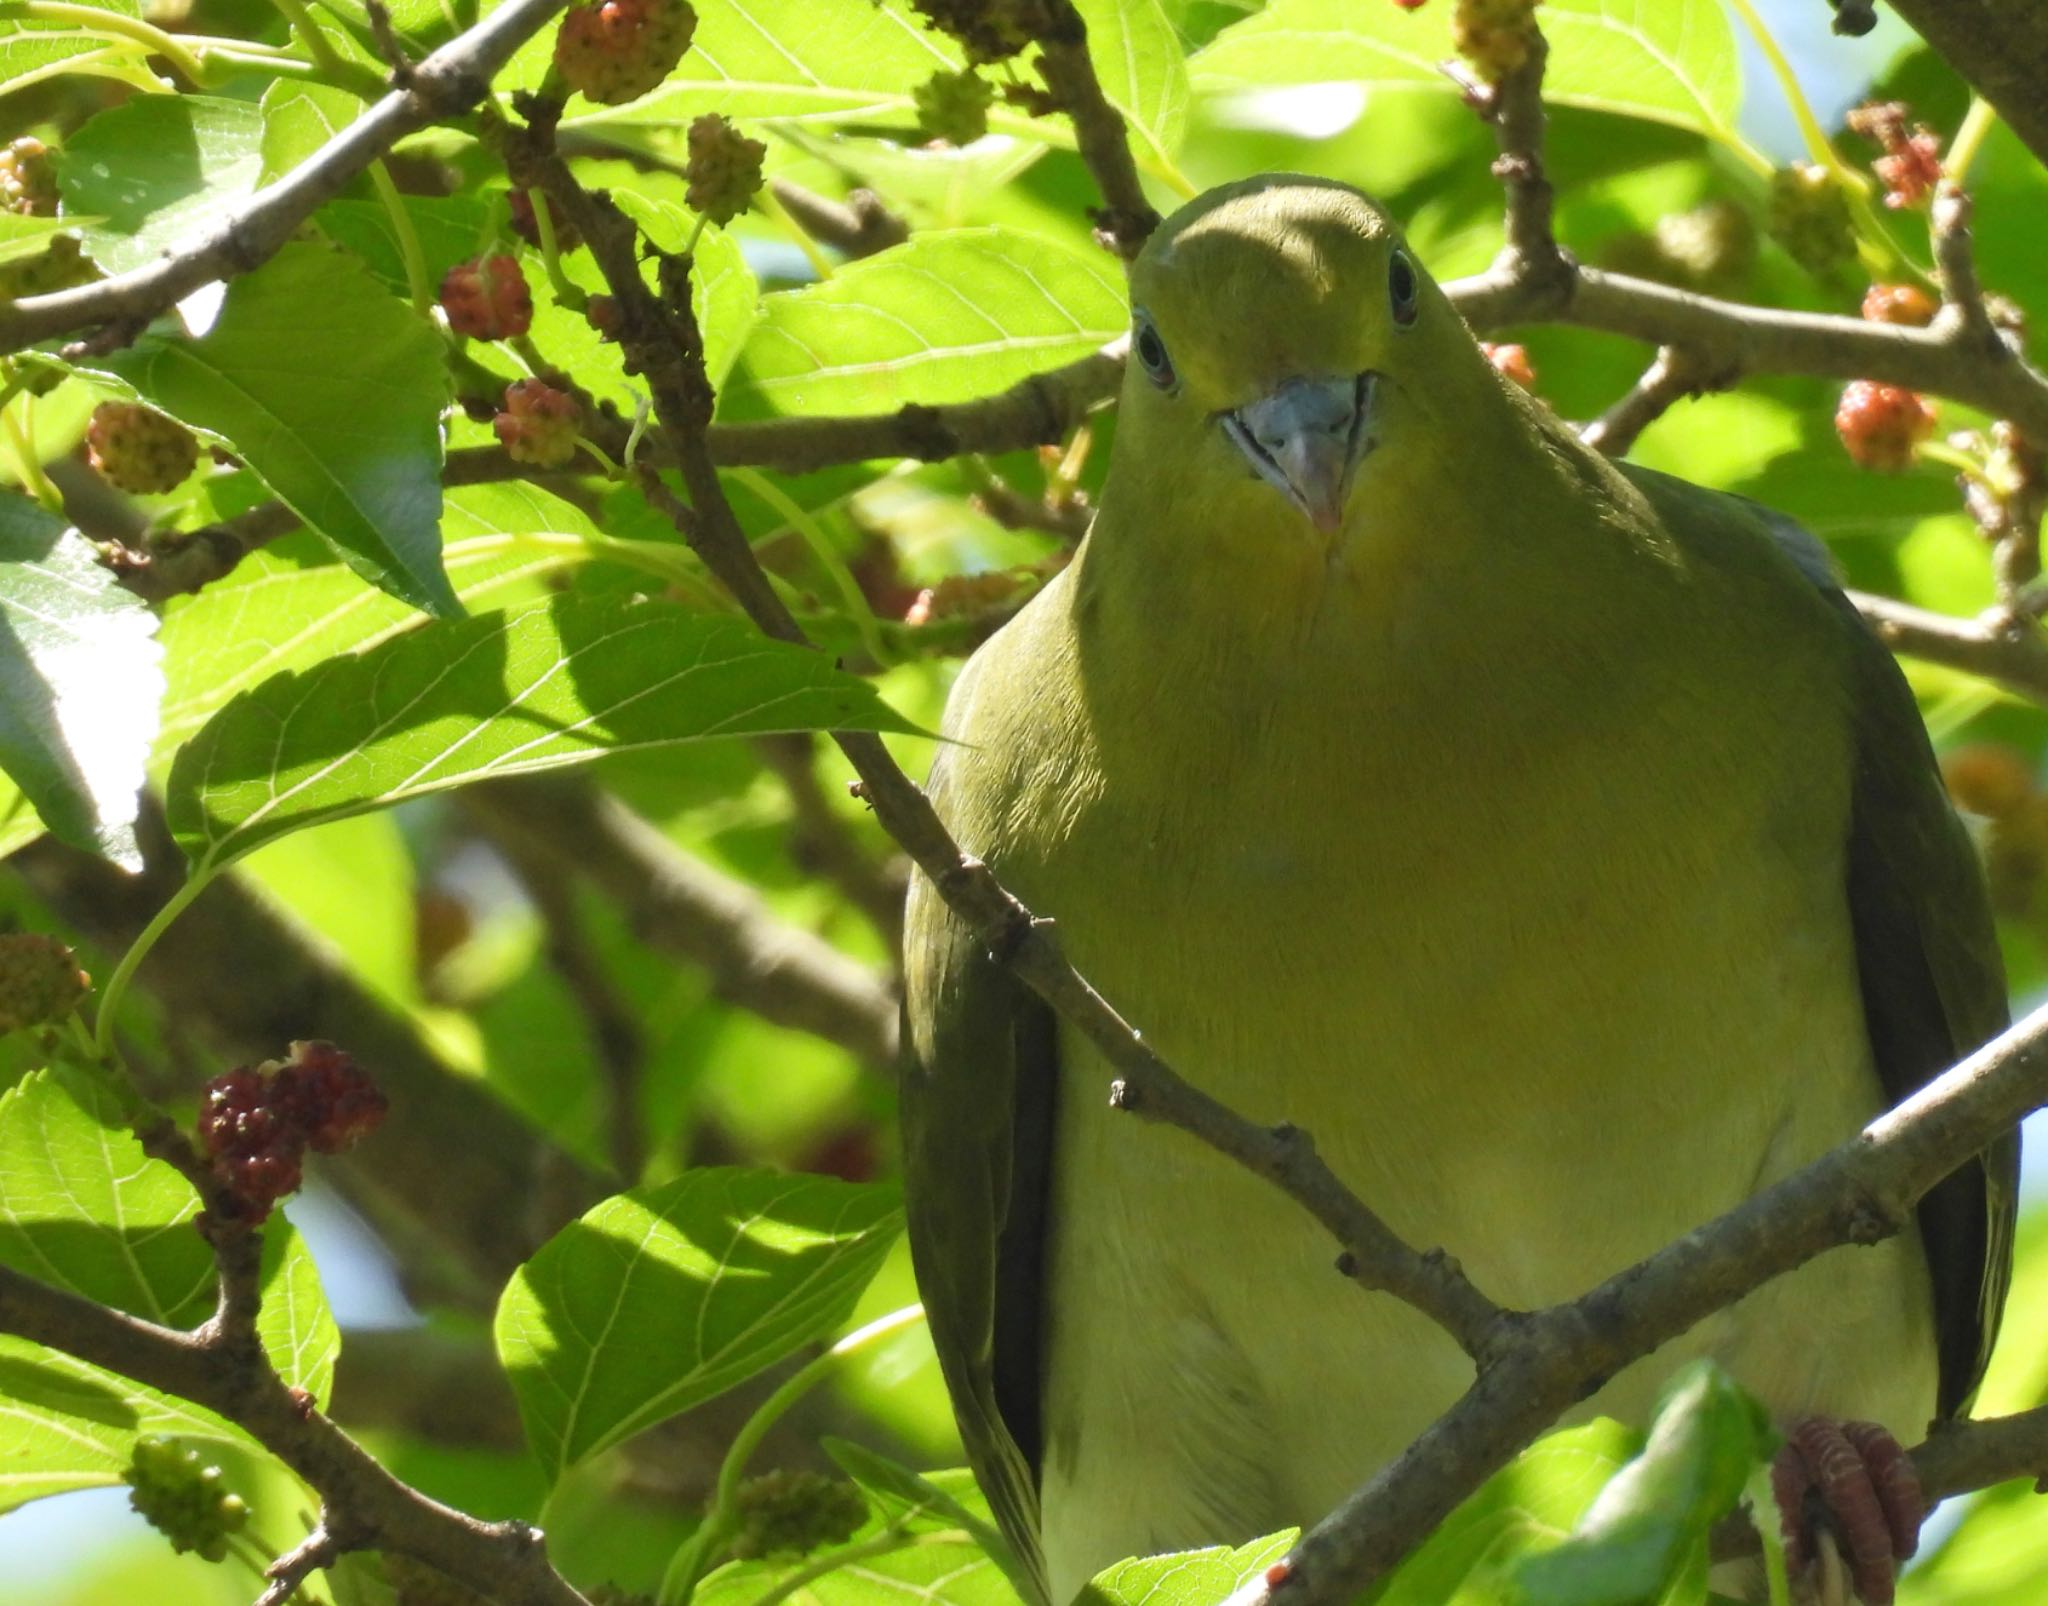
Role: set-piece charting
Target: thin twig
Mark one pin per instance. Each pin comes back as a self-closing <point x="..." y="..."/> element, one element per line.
<point x="859" y="226"/>
<point x="1956" y="258"/>
<point x="2006" y="648"/>
<point x="1126" y="219"/>
<point x="318" y="1549"/>
<point x="449" y="81"/>
<point x="1671" y="377"/>
<point x="1530" y="253"/>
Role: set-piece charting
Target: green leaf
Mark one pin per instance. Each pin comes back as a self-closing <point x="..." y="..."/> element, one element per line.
<point x="448" y="227"/>
<point x="158" y="172"/>
<point x="28" y="55"/>
<point x="808" y="60"/>
<point x="22" y="237"/>
<point x="1647" y="1528"/>
<point x="1670" y="61"/>
<point x="908" y="1499"/>
<point x="501" y="694"/>
<point x="945" y="317"/>
<point x="661" y="1298"/>
<point x="271" y="614"/>
<point x="942" y="1568"/>
<point x="84" y="1209"/>
<point x="79" y="682"/>
<point x="1527" y="1505"/>
<point x="299" y="118"/>
<point x="66" y="1425"/>
<point x="331" y="391"/>
<point x="1143" y="70"/>
<point x="1190" y="1578"/>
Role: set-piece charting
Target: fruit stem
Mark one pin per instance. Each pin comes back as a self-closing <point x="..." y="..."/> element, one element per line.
<point x="417" y="285"/>
<point x="693" y="1558"/>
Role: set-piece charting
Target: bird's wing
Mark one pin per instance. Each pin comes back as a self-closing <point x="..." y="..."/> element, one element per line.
<point x="1932" y="981"/>
<point x="977" y="1102"/>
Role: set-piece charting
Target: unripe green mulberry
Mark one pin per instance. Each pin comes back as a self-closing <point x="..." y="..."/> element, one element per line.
<point x="724" y="169"/>
<point x="28" y="178"/>
<point x="953" y="106"/>
<point x="183" y="1497"/>
<point x="793" y="1513"/>
<point x="139" y="449"/>
<point x="1809" y="217"/>
<point x="40" y="982"/>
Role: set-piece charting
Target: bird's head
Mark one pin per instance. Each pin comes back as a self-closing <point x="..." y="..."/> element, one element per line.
<point x="1287" y="352"/>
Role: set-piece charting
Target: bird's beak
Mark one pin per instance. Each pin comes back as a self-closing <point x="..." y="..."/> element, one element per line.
<point x="1306" y="437"/>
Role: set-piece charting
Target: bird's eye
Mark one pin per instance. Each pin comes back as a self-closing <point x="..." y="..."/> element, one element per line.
<point x="1152" y="356"/>
<point x="1403" y="290"/>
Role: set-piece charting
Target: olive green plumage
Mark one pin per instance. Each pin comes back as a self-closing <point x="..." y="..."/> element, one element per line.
<point x="1549" y="838"/>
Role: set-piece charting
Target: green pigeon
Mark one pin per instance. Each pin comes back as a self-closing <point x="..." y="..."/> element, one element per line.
<point x="1547" y="836"/>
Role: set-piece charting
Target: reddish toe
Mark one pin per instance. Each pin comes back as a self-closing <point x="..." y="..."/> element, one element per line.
<point x="1847" y="1486"/>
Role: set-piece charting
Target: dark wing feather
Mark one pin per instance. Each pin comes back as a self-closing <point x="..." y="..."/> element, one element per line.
<point x="977" y="1102"/>
<point x="1932" y="980"/>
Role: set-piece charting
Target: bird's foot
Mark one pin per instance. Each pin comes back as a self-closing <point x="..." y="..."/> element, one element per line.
<point x="1850" y="1504"/>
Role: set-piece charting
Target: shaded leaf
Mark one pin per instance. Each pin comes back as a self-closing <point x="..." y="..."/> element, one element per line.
<point x="159" y="172"/>
<point x="79" y="682"/>
<point x="661" y="1298"/>
<point x="331" y="391"/>
<point x="502" y="694"/>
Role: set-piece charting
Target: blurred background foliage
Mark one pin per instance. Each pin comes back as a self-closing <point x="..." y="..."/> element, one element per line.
<point x="489" y="957"/>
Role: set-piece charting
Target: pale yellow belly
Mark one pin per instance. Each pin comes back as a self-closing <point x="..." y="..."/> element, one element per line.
<point x="1549" y="1076"/>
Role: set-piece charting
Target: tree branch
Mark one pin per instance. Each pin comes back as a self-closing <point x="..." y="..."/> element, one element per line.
<point x="1860" y="1192"/>
<point x="2003" y="647"/>
<point x="1671" y="377"/>
<point x="859" y="226"/>
<point x="449" y="81"/>
<point x="1126" y="218"/>
<point x="365" y="1506"/>
<point x="755" y="960"/>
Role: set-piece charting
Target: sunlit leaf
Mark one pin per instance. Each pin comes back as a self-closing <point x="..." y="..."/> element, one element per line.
<point x="666" y="1296"/>
<point x="1186" y="1578"/>
<point x="501" y="694"/>
<point x="84" y="1209"/>
<point x="79" y="682"/>
<point x="1669" y="61"/>
<point x="271" y="614"/>
<point x="949" y="315"/>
